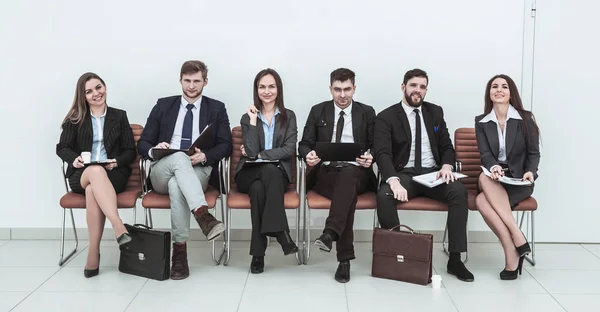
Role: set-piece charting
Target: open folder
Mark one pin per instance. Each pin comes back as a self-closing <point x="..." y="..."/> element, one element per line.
<point x="507" y="180"/>
<point x="204" y="140"/>
<point x="429" y="179"/>
<point x="252" y="163"/>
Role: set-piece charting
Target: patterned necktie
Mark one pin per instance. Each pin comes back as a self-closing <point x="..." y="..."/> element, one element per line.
<point x="188" y="125"/>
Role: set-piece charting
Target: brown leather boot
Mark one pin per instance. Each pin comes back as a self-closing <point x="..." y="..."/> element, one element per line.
<point x="211" y="227"/>
<point x="179" y="263"/>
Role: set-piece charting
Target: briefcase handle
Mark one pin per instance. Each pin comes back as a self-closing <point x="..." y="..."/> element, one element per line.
<point x="142" y="226"/>
<point x="406" y="226"/>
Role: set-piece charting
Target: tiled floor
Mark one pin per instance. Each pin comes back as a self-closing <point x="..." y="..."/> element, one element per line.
<point x="566" y="278"/>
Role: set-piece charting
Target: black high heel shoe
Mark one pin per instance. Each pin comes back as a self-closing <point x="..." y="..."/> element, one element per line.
<point x="512" y="275"/>
<point x="91" y="273"/>
<point x="286" y="242"/>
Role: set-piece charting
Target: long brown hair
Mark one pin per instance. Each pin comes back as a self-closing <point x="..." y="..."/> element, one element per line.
<point x="515" y="101"/>
<point x="80" y="107"/>
<point x="278" y="99"/>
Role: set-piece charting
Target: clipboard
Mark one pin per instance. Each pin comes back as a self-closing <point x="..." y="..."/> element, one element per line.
<point x="328" y="151"/>
<point x="102" y="163"/>
<point x="204" y="141"/>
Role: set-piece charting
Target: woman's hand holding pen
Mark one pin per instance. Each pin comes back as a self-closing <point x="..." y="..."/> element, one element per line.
<point x="497" y="172"/>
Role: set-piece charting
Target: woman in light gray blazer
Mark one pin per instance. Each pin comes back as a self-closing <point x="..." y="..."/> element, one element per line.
<point x="269" y="132"/>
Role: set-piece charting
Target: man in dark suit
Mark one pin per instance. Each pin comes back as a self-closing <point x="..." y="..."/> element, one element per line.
<point x="411" y="139"/>
<point x="175" y="122"/>
<point x="344" y="121"/>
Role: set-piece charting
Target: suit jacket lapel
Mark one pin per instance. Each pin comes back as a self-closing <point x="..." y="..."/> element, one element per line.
<point x="357" y="129"/>
<point x="171" y="117"/>
<point x="87" y="131"/>
<point x="278" y="133"/>
<point x="203" y="118"/>
<point x="404" y="121"/>
<point x="329" y="120"/>
<point x="511" y="133"/>
<point x="110" y="120"/>
<point x="491" y="132"/>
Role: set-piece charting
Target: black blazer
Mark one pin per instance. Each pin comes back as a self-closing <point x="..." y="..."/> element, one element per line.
<point x="284" y="142"/>
<point x="161" y="124"/>
<point x="393" y="138"/>
<point x="522" y="145"/>
<point x="118" y="140"/>
<point x="319" y="128"/>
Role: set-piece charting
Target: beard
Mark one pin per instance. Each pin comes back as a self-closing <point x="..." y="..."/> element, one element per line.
<point x="410" y="101"/>
<point x="192" y="95"/>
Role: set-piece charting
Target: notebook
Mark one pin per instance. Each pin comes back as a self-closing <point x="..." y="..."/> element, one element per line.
<point x="328" y="151"/>
<point x="204" y="140"/>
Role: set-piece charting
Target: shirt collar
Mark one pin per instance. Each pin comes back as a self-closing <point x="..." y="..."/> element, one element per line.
<point x="409" y="109"/>
<point x="347" y="110"/>
<point x="184" y="102"/>
<point x="262" y="117"/>
<point x="511" y="113"/>
<point x="103" y="114"/>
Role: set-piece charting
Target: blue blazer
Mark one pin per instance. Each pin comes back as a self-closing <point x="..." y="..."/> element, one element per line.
<point x="161" y="125"/>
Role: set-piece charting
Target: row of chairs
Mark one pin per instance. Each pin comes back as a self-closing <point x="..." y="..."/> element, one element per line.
<point x="296" y="197"/>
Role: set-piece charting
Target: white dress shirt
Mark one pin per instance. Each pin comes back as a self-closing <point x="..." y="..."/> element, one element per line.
<point x="347" y="132"/>
<point x="511" y="113"/>
<point x="176" y="138"/>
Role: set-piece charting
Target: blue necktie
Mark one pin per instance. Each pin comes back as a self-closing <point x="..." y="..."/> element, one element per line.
<point x="188" y="125"/>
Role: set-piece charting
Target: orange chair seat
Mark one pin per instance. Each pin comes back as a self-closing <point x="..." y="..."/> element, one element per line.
<point x="125" y="199"/>
<point x="237" y="200"/>
<point x="364" y="201"/>
<point x="153" y="200"/>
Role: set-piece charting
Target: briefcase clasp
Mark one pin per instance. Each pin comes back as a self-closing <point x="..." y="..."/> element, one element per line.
<point x="400" y="258"/>
<point x="141" y="256"/>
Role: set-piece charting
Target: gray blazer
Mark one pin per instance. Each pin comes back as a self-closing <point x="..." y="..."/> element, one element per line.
<point x="522" y="146"/>
<point x="284" y="142"/>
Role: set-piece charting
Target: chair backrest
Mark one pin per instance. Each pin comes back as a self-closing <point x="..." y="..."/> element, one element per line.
<point x="465" y="144"/>
<point x="134" y="179"/>
<point x="236" y="135"/>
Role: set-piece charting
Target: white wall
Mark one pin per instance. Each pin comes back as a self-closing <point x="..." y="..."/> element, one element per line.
<point x="138" y="47"/>
<point x="565" y="104"/>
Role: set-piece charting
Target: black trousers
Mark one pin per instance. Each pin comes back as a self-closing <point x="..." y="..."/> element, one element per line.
<point x="454" y="194"/>
<point x="342" y="186"/>
<point x="266" y="185"/>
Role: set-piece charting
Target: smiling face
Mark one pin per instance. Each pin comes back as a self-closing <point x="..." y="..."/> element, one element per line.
<point x="500" y="91"/>
<point x="95" y="92"/>
<point x="415" y="90"/>
<point x="267" y="90"/>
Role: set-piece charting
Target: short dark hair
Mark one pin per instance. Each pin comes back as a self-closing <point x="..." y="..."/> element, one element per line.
<point x="342" y="74"/>
<point x="415" y="73"/>
<point x="192" y="67"/>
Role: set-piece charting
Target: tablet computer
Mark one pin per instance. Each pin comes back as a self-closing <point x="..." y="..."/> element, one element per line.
<point x="328" y="151"/>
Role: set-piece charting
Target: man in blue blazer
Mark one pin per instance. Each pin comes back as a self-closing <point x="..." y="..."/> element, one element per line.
<point x="174" y="123"/>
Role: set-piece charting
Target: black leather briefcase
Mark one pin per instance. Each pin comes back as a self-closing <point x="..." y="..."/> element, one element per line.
<point x="148" y="254"/>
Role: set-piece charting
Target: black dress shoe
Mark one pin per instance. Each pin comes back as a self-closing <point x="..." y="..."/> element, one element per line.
<point x="124" y="239"/>
<point x="91" y="273"/>
<point x="324" y="242"/>
<point x="342" y="274"/>
<point x="257" y="265"/>
<point x="458" y="269"/>
<point x="286" y="242"/>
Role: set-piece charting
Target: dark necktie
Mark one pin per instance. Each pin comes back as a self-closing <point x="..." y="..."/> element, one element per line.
<point x="188" y="125"/>
<point x="417" y="141"/>
<point x="340" y="128"/>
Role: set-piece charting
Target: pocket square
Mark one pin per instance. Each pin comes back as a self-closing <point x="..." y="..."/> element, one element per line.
<point x="436" y="128"/>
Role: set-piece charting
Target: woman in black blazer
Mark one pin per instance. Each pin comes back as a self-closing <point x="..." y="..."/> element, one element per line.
<point x="269" y="132"/>
<point x="92" y="126"/>
<point x="508" y="141"/>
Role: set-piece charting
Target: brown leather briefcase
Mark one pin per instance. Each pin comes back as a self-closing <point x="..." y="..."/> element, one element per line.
<point x="402" y="256"/>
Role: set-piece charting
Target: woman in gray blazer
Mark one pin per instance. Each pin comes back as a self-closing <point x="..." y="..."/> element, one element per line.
<point x="269" y="132"/>
<point x="508" y="141"/>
